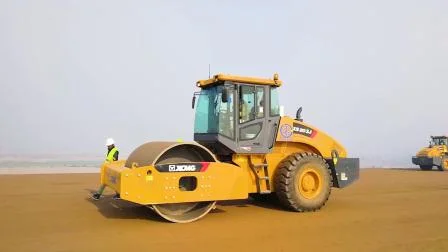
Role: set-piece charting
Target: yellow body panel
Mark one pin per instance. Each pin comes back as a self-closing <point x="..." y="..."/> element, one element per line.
<point x="221" y="181"/>
<point x="287" y="143"/>
<point x="292" y="132"/>
<point x="241" y="79"/>
<point x="110" y="174"/>
<point x="434" y="151"/>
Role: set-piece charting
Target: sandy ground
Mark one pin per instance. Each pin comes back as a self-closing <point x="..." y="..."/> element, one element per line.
<point x="44" y="170"/>
<point x="386" y="210"/>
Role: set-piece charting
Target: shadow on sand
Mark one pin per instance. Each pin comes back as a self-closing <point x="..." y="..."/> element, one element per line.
<point x="411" y="169"/>
<point x="271" y="203"/>
<point x="121" y="209"/>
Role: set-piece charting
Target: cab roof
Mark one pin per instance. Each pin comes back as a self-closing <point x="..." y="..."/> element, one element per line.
<point x="240" y="79"/>
<point x="439" y="137"/>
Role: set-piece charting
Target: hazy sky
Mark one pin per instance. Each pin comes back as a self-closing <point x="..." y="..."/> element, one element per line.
<point x="373" y="74"/>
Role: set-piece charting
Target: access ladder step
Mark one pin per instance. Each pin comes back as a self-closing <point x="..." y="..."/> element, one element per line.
<point x="265" y="176"/>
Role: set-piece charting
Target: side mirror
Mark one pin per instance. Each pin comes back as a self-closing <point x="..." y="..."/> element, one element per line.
<point x="193" y="100"/>
<point x="224" y="95"/>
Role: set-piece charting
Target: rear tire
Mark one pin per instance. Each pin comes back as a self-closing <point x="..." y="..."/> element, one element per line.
<point x="303" y="182"/>
<point x="426" y="167"/>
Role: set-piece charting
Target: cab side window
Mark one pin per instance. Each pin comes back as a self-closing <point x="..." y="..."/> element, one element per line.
<point x="226" y="114"/>
<point x="247" y="102"/>
<point x="251" y="108"/>
<point x="250" y="131"/>
<point x="260" y="102"/>
<point x="275" y="107"/>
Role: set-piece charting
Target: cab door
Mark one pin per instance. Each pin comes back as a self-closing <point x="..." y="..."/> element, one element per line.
<point x="255" y="127"/>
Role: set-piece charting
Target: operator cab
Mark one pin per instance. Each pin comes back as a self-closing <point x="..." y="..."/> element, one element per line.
<point x="438" y="140"/>
<point x="237" y="114"/>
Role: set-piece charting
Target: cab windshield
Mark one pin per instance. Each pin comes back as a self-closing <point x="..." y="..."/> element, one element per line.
<point x="213" y="116"/>
<point x="439" y="141"/>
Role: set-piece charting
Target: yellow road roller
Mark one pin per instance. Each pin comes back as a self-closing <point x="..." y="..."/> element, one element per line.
<point x="243" y="147"/>
<point x="436" y="154"/>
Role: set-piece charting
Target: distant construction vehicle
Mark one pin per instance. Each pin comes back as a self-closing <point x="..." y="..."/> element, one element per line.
<point x="242" y="147"/>
<point x="436" y="154"/>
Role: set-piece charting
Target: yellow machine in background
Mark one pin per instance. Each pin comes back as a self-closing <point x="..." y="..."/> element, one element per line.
<point x="436" y="154"/>
<point x="242" y="147"/>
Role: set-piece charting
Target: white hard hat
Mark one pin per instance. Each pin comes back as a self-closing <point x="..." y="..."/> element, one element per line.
<point x="109" y="141"/>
